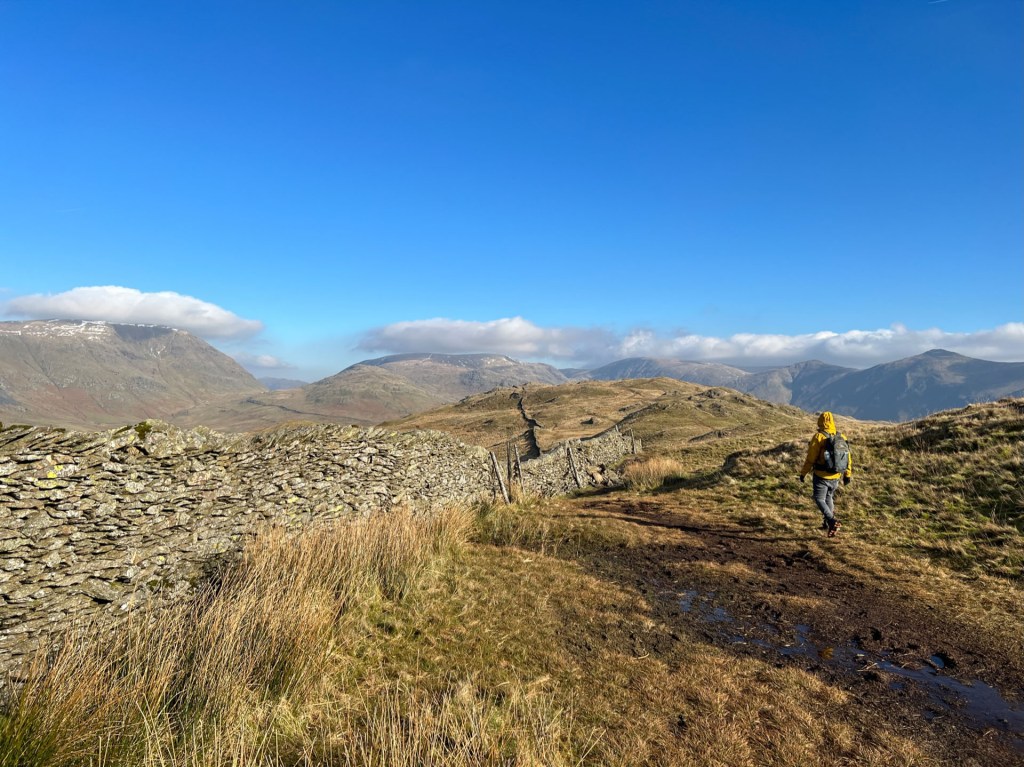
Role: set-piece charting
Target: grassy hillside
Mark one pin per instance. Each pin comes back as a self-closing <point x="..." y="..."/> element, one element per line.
<point x="706" y="621"/>
<point x="947" y="487"/>
<point x="666" y="414"/>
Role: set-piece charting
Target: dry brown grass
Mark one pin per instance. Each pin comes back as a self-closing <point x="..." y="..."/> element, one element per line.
<point x="262" y="668"/>
<point x="651" y="472"/>
<point x="493" y="636"/>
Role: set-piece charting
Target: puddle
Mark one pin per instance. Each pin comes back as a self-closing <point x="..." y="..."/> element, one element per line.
<point x="718" y="615"/>
<point x="979" y="703"/>
<point x="686" y="600"/>
<point x="689" y="600"/>
<point x="975" y="700"/>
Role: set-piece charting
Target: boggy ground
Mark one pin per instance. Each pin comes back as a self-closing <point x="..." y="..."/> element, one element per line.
<point x="907" y="655"/>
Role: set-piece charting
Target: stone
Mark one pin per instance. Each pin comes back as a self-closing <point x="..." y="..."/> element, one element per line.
<point x="52" y="559"/>
<point x="13" y="544"/>
<point x="27" y="593"/>
<point x="99" y="591"/>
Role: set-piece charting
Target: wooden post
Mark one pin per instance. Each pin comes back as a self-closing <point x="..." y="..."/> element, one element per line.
<point x="632" y="439"/>
<point x="508" y="465"/>
<point x="497" y="475"/>
<point x="572" y="465"/>
<point x="519" y="469"/>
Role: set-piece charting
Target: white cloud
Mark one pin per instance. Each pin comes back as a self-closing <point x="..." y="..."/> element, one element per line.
<point x="513" y="336"/>
<point x="262" y="361"/>
<point x="111" y="303"/>
<point x="518" y="337"/>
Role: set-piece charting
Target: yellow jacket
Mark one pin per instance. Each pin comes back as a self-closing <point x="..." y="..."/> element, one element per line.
<point x="826" y="426"/>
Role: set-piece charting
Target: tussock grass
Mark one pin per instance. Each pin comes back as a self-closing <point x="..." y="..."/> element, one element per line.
<point x="458" y="725"/>
<point x="262" y="667"/>
<point x="522" y="524"/>
<point x="651" y="472"/>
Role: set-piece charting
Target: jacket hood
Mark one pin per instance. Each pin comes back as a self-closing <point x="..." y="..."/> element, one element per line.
<point x="827" y="423"/>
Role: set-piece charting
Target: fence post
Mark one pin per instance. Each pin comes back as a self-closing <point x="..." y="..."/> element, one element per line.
<point x="497" y="475"/>
<point x="572" y="465"/>
<point x="632" y="439"/>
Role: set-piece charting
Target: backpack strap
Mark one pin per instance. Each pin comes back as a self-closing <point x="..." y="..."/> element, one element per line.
<point x="819" y="464"/>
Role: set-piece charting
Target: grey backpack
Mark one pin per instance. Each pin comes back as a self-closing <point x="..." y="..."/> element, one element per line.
<point x="835" y="455"/>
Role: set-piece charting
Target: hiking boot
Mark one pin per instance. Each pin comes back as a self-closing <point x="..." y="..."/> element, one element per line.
<point x="833" y="530"/>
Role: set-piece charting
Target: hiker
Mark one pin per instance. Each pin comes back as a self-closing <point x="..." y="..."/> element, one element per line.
<point x="828" y="454"/>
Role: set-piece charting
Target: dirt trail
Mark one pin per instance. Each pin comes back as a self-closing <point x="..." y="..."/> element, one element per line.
<point x="786" y="599"/>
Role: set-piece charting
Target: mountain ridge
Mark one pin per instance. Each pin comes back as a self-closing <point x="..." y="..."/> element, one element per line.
<point x="98" y="374"/>
<point x="904" y="389"/>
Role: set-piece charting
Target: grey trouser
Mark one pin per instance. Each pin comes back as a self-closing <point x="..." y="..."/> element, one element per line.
<point x="825" y="497"/>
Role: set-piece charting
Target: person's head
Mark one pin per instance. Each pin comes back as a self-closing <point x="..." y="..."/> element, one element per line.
<point x="826" y="422"/>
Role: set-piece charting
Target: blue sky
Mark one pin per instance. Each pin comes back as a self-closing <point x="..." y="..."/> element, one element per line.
<point x="310" y="184"/>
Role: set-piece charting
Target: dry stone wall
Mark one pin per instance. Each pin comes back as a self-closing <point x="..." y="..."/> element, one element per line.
<point x="594" y="460"/>
<point x="95" y="524"/>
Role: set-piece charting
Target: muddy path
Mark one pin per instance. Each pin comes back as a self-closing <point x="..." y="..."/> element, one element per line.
<point x="785" y="599"/>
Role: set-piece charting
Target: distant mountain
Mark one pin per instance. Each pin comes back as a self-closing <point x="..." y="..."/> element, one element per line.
<point x="704" y="373"/>
<point x="450" y="377"/>
<point x="276" y="384"/>
<point x="895" y="391"/>
<point x="362" y="395"/>
<point x="917" y="386"/>
<point x="99" y="375"/>
<point x="574" y="373"/>
<point x="793" y="384"/>
<point x="375" y="390"/>
<point x="370" y="392"/>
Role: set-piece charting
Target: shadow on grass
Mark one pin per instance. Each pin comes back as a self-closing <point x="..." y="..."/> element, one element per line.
<point x="718" y="532"/>
<point x="701" y="480"/>
<point x="652" y="514"/>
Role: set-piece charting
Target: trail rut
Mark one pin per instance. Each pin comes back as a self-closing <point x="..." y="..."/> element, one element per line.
<point x="785" y="599"/>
